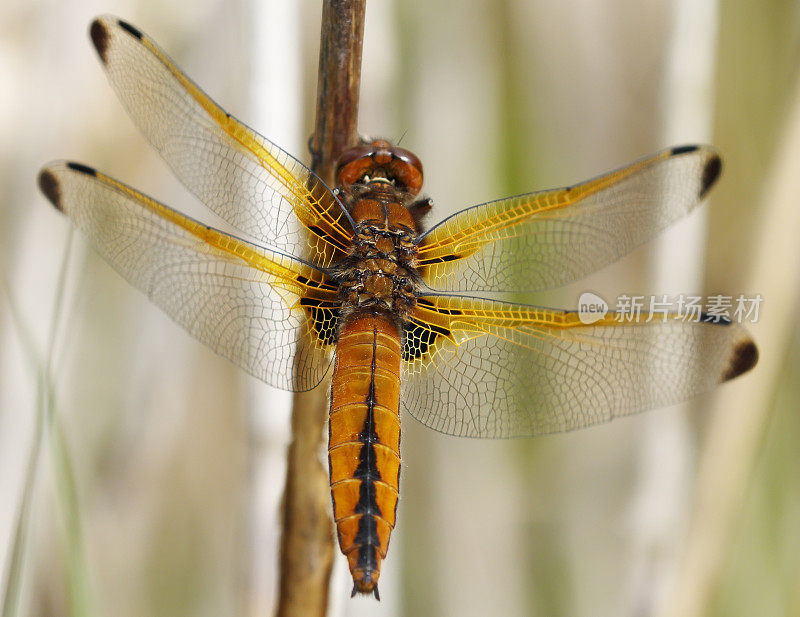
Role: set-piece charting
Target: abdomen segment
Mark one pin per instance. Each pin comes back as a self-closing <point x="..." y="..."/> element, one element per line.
<point x="364" y="443"/>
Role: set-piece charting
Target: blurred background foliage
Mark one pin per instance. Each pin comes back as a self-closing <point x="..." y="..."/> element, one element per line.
<point x="156" y="486"/>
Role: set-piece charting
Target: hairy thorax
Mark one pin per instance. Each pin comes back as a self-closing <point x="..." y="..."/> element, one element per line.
<point x="379" y="274"/>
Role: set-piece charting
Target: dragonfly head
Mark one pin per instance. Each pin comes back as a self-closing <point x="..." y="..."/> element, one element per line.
<point x="380" y="161"/>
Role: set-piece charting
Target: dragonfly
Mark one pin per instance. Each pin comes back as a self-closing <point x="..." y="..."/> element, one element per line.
<point x="301" y="279"/>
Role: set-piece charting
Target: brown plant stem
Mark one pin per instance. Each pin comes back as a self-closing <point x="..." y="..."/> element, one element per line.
<point x="338" y="85"/>
<point x="307" y="546"/>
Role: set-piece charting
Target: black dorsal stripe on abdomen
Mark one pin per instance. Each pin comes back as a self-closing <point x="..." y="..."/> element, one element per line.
<point x="367" y="471"/>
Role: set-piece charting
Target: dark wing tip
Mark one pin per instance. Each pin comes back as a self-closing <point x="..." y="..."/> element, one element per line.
<point x="711" y="171"/>
<point x="84" y="169"/>
<point x="48" y="184"/>
<point x="744" y="357"/>
<point x="135" y="32"/>
<point x="683" y="149"/>
<point x="99" y="34"/>
<point x="710" y="174"/>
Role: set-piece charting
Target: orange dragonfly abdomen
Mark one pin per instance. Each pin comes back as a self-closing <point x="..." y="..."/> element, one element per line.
<point x="364" y="442"/>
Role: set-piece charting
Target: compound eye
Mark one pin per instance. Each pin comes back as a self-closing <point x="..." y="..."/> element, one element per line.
<point x="408" y="157"/>
<point x="356" y="152"/>
<point x="406" y="169"/>
<point x="354" y="164"/>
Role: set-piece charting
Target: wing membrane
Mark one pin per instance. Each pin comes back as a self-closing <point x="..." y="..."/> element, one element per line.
<point x="269" y="313"/>
<point x="222" y="161"/>
<point x="482" y="368"/>
<point x="547" y="239"/>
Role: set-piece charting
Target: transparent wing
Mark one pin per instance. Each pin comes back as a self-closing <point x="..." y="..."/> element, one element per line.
<point x="480" y="368"/>
<point x="270" y="314"/>
<point x="247" y="180"/>
<point x="547" y="239"/>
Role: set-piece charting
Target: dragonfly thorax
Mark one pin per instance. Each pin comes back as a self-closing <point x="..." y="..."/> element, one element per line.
<point x="378" y="273"/>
